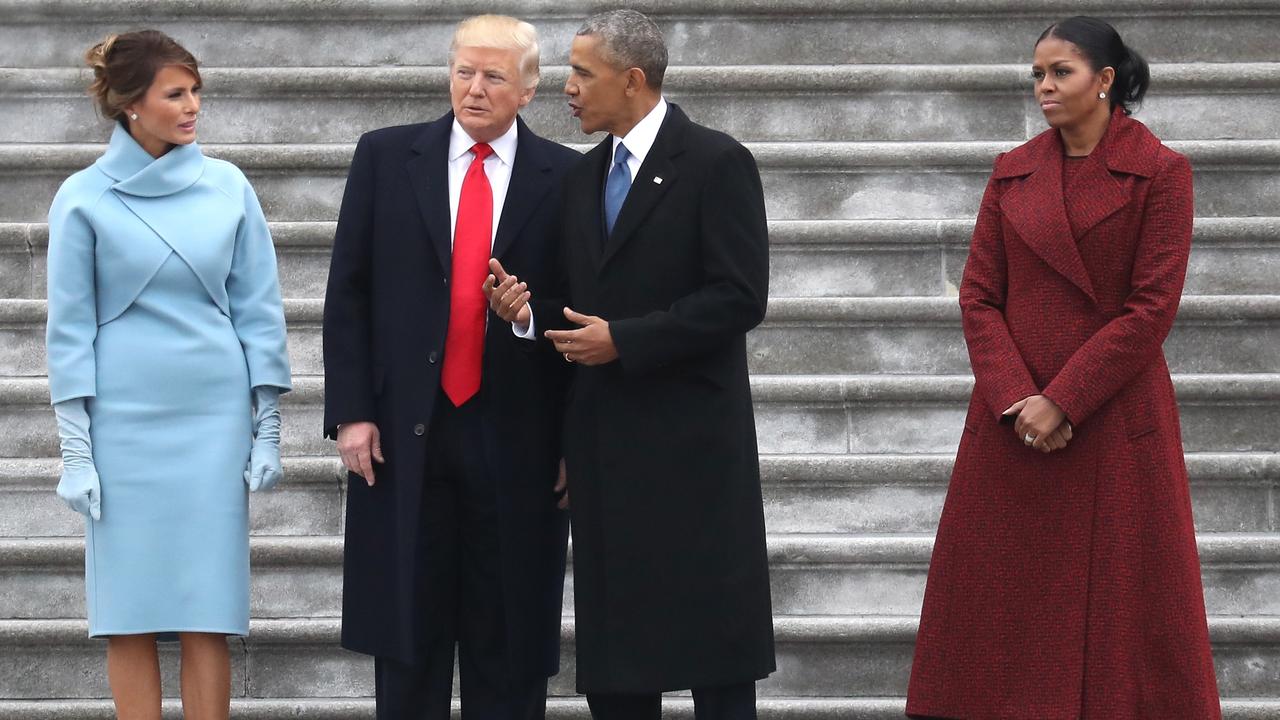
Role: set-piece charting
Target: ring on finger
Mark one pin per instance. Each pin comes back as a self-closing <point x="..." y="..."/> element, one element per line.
<point x="1028" y="439"/>
<point x="567" y="358"/>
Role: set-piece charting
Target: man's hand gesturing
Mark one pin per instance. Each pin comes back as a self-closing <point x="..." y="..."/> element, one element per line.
<point x="508" y="297"/>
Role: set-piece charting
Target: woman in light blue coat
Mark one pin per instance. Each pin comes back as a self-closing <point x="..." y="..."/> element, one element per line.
<point x="166" y="345"/>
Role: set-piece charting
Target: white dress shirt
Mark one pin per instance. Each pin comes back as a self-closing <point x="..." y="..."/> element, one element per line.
<point x="641" y="138"/>
<point x="497" y="168"/>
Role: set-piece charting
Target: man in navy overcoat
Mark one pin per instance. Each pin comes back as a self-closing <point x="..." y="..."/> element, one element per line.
<point x="450" y="423"/>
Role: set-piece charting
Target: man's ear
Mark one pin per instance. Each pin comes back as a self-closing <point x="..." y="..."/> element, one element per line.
<point x="635" y="81"/>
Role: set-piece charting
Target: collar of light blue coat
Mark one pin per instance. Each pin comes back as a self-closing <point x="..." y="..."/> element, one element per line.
<point x="137" y="173"/>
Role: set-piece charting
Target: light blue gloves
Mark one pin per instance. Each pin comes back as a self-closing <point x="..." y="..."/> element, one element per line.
<point x="79" y="486"/>
<point x="264" y="460"/>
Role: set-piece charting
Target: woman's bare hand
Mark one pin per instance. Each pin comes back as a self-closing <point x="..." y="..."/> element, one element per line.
<point x="1037" y="420"/>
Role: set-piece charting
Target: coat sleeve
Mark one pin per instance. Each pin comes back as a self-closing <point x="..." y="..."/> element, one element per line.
<point x="73" y="315"/>
<point x="253" y="294"/>
<point x="547" y="306"/>
<point x="1000" y="374"/>
<point x="348" y="372"/>
<point x="1127" y="344"/>
<point x="735" y="254"/>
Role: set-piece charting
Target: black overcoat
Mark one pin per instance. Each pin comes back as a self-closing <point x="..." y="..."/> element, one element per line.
<point x="385" y="317"/>
<point x="671" y="576"/>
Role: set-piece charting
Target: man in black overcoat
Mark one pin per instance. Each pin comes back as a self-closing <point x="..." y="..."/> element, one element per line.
<point x="665" y="256"/>
<point x="448" y="418"/>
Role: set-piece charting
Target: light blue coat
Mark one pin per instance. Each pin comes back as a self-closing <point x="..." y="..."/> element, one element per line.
<point x="164" y="311"/>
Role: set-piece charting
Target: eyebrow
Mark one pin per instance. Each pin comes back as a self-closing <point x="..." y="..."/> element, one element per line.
<point x="1055" y="63"/>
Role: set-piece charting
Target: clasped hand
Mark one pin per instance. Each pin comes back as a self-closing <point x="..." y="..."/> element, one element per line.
<point x="1040" y="423"/>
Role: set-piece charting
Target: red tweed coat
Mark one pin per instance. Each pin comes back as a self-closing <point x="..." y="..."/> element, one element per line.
<point x="1067" y="585"/>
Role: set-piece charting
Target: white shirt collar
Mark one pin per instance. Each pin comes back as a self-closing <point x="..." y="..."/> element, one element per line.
<point x="460" y="143"/>
<point x="641" y="138"/>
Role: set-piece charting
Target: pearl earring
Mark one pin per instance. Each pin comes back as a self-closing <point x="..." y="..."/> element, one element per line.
<point x="133" y="116"/>
<point x="1101" y="96"/>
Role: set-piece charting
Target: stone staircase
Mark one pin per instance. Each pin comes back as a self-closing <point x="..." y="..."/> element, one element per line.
<point x="874" y="122"/>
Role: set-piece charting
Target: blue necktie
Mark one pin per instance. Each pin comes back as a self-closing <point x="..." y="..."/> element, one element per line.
<point x="616" y="186"/>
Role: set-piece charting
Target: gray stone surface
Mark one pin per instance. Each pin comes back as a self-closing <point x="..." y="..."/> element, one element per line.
<point x="802" y="181"/>
<point x="1232" y="492"/>
<point x="238" y="33"/>
<point x="770" y="708"/>
<point x="812" y="575"/>
<point x="856" y="258"/>
<point x="830" y="336"/>
<point x="859" y="103"/>
<point x="874" y="122"/>
<point x="821" y="656"/>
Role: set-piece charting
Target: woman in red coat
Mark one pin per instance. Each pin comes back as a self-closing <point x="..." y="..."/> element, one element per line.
<point x="1065" y="582"/>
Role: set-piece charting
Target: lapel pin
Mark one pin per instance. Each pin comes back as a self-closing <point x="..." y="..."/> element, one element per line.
<point x="657" y="180"/>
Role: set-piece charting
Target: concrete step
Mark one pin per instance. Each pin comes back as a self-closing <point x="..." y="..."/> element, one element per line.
<point x="1232" y="493"/>
<point x="826" y="414"/>
<point x="818" y="656"/>
<point x="835" y="258"/>
<point x="811" y="574"/>
<point x="923" y="335"/>
<point x="884" y="413"/>
<point x="566" y="708"/>
<point x="309" y="502"/>
<point x="817" y="336"/>
<point x="752" y="103"/>
<point x="769" y="708"/>
<point x="802" y="181"/>
<point x="402" y="32"/>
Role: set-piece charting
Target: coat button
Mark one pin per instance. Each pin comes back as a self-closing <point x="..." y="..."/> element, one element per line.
<point x="433" y="357"/>
<point x="419" y="429"/>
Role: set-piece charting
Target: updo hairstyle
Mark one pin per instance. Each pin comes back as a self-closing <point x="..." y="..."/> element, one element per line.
<point x="1102" y="47"/>
<point x="124" y="66"/>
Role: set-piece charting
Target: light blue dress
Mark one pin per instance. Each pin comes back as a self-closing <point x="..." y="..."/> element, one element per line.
<point x="164" y="311"/>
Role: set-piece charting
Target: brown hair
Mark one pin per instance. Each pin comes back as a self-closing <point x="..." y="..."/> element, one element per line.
<point x="124" y="66"/>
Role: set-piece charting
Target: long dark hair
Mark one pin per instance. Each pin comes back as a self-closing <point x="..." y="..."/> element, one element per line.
<point x="1102" y="47"/>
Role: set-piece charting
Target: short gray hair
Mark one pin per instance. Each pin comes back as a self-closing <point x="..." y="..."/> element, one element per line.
<point x="630" y="40"/>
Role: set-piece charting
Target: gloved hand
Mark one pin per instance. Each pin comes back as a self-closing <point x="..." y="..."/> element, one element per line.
<point x="79" y="486"/>
<point x="264" y="460"/>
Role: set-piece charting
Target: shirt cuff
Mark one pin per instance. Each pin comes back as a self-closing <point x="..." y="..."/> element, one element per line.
<point x="525" y="333"/>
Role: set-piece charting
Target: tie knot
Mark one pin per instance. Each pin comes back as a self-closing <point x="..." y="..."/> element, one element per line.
<point x="620" y="154"/>
<point x="482" y="151"/>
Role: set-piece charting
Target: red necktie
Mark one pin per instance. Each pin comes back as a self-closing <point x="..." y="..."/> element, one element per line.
<point x="472" y="244"/>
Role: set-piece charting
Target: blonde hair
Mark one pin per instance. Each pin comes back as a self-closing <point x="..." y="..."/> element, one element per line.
<point x="125" y="64"/>
<point x="503" y="33"/>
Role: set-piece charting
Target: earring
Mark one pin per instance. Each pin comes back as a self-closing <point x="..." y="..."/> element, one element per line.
<point x="1101" y="96"/>
<point x="133" y="116"/>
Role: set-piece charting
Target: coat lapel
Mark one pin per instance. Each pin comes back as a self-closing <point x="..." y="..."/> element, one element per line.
<point x="596" y="164"/>
<point x="1036" y="208"/>
<point x="656" y="176"/>
<point x="525" y="192"/>
<point x="1101" y="193"/>
<point x="429" y="174"/>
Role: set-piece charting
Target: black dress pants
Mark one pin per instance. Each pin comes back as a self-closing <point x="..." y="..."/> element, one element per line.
<point x="460" y="591"/>
<point x="722" y="702"/>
